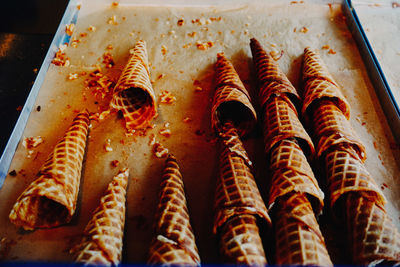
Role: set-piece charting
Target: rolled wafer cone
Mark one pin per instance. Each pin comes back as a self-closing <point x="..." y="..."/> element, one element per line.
<point x="299" y="240"/>
<point x="281" y="122"/>
<point x="50" y="200"/>
<point x="318" y="89"/>
<point x="237" y="192"/>
<point x="240" y="242"/>
<point x="271" y="79"/>
<point x="331" y="128"/>
<point x="134" y="95"/>
<point x="102" y="241"/>
<point x="373" y="237"/>
<point x="292" y="173"/>
<point x="174" y="243"/>
<point x="346" y="173"/>
<point x="314" y="67"/>
<point x="231" y="102"/>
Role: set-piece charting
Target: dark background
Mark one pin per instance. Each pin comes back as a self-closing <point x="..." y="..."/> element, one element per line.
<point x="27" y="28"/>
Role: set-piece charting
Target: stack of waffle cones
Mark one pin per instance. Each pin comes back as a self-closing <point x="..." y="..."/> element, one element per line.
<point x="294" y="195"/>
<point x="102" y="241"/>
<point x="238" y="203"/>
<point x="50" y="200"/>
<point x="134" y="95"/>
<point x="354" y="195"/>
<point x="174" y="242"/>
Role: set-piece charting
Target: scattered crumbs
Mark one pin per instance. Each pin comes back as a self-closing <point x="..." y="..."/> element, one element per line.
<point x="114" y="163"/>
<point x="108" y="60"/>
<point x="375" y="145"/>
<point x="325" y="47"/>
<point x="32" y="142"/>
<point x="159" y="150"/>
<point x="92" y="28"/>
<point x="107" y="146"/>
<point x="198" y="89"/>
<point x="83" y="34"/>
<point x="38" y="108"/>
<point x="192" y="34"/>
<point x="19" y="108"/>
<point x="304" y="30"/>
<point x="13" y="173"/>
<point x="276" y="55"/>
<point x="331" y="51"/>
<point x="165" y="131"/>
<point x="166" y="97"/>
<point x="187" y="45"/>
<point x="112" y="20"/>
<point x="69" y="29"/>
<point x="75" y="42"/>
<point x="164" y="49"/>
<point x="181" y="22"/>
<point x="162" y="75"/>
<point x="109" y="47"/>
<point x="187" y="120"/>
<point x="152" y="140"/>
<point x="72" y="76"/>
<point x="204" y="46"/>
<point x="60" y="58"/>
<point x="99" y="116"/>
<point x="199" y="132"/>
<point x="114" y="4"/>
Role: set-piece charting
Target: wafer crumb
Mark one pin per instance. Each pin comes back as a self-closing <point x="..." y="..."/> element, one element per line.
<point x="72" y="76"/>
<point x="164" y="49"/>
<point x="204" y="46"/>
<point x="60" y="58"/>
<point x="276" y="55"/>
<point x="159" y="150"/>
<point x="32" y="142"/>
<point x="108" y="60"/>
<point x="331" y="51"/>
<point x="162" y="75"/>
<point x="192" y="34"/>
<point x="181" y="22"/>
<point x="165" y="131"/>
<point x="114" y="4"/>
<point x="187" y="120"/>
<point x="114" y="163"/>
<point x="107" y="146"/>
<point x="92" y="28"/>
<point x="112" y="20"/>
<point x="166" y="97"/>
<point x="304" y="30"/>
<point x="325" y="47"/>
<point x="198" y="89"/>
<point x="69" y="29"/>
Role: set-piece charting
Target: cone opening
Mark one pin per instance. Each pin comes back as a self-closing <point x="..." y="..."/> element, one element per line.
<point x="237" y="113"/>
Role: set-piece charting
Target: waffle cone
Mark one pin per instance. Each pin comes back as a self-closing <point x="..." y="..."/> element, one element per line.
<point x="231" y="102"/>
<point x="318" y="89"/>
<point x="372" y="235"/>
<point x="241" y="243"/>
<point x="298" y="238"/>
<point x="102" y="241"/>
<point x="174" y="243"/>
<point x="281" y="122"/>
<point x="134" y="95"/>
<point x="50" y="200"/>
<point x="332" y="129"/>
<point x="292" y="173"/>
<point x="346" y="173"/>
<point x="272" y="81"/>
<point x="314" y="67"/>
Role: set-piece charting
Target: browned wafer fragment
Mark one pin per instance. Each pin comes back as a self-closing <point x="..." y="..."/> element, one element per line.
<point x="331" y="128"/>
<point x="270" y="78"/>
<point x="346" y="173"/>
<point x="134" y="94"/>
<point x="281" y="122"/>
<point x="231" y="102"/>
<point x="50" y="200"/>
<point x="174" y="243"/>
<point x="372" y="235"/>
<point x="102" y="241"/>
<point x="298" y="238"/>
<point x="240" y="242"/>
<point x="237" y="192"/>
<point x="292" y="173"/>
<point x="314" y="67"/>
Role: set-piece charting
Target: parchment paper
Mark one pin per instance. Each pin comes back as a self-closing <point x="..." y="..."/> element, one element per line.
<point x="273" y="23"/>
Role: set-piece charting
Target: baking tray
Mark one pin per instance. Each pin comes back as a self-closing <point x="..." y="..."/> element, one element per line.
<point x="200" y="186"/>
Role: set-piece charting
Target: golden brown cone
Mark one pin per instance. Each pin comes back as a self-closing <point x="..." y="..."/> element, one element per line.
<point x="240" y="242"/>
<point x="373" y="237"/>
<point x="318" y="89"/>
<point x="231" y="102"/>
<point x="314" y="67"/>
<point x="271" y="79"/>
<point x="298" y="238"/>
<point x="134" y="95"/>
<point x="50" y="200"/>
<point x="281" y="122"/>
<point x="292" y="173"/>
<point x="331" y="128"/>
<point x="174" y="243"/>
<point x="346" y="173"/>
<point x="237" y="192"/>
<point x="103" y="236"/>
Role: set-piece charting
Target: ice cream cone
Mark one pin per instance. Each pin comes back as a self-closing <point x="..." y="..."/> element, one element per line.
<point x="231" y="102"/>
<point x="346" y="173"/>
<point x="298" y="238"/>
<point x="237" y="192"/>
<point x="314" y="67"/>
<point x="241" y="243"/>
<point x="331" y="128"/>
<point x="102" y="241"/>
<point x="372" y="235"/>
<point x="50" y="200"/>
<point x="281" y="122"/>
<point x="271" y="79"/>
<point x="318" y="89"/>
<point x="174" y="243"/>
<point x="292" y="173"/>
<point x="134" y="94"/>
